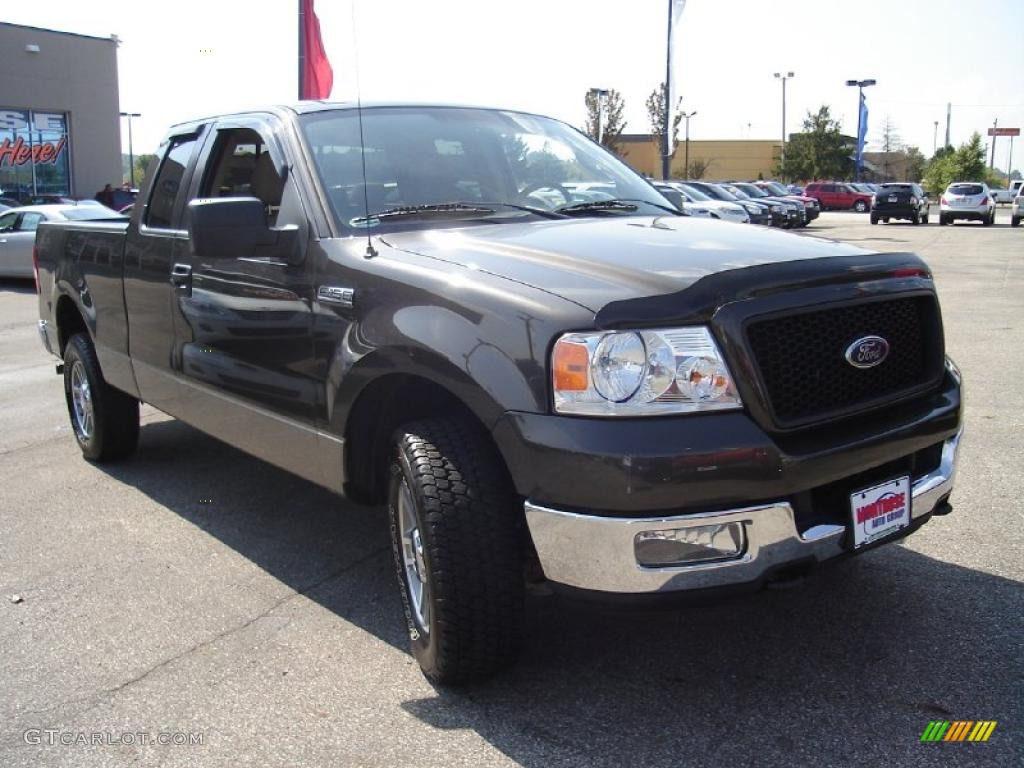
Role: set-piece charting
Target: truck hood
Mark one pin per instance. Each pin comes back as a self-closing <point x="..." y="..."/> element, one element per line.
<point x="597" y="261"/>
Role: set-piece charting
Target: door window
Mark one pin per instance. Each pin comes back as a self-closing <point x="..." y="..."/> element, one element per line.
<point x="7" y="221"/>
<point x="29" y="222"/>
<point x="241" y="166"/>
<point x="167" y="186"/>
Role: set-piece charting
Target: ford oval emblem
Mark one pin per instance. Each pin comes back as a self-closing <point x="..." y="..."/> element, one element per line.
<point x="867" y="352"/>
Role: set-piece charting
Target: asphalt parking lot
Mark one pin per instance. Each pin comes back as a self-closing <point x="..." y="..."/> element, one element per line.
<point x="195" y="590"/>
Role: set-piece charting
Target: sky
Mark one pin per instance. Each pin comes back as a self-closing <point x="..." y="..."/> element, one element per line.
<point x="193" y="58"/>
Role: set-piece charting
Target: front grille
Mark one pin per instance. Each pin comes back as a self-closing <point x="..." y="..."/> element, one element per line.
<point x="802" y="363"/>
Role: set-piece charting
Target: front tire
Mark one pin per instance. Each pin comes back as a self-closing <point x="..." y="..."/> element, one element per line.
<point x="457" y="537"/>
<point x="105" y="420"/>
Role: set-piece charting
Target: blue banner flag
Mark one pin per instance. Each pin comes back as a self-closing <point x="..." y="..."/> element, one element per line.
<point x="862" y="135"/>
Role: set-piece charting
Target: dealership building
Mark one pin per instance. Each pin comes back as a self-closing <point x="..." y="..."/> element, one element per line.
<point x="59" y="123"/>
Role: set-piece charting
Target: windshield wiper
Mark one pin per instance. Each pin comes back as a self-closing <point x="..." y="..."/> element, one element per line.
<point x="439" y="211"/>
<point x="618" y="204"/>
<point x="596" y="205"/>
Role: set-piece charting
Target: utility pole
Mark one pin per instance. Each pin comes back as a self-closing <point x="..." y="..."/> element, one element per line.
<point x="949" y="114"/>
<point x="666" y="157"/>
<point x="992" y="160"/>
<point x="861" y="128"/>
<point x="686" y="117"/>
<point x="783" y="78"/>
<point x="131" y="150"/>
<point x="935" y="138"/>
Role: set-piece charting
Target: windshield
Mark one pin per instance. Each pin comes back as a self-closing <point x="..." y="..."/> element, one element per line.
<point x="751" y="190"/>
<point x="778" y="189"/>
<point x="501" y="165"/>
<point x="717" y="192"/>
<point x="693" y="192"/>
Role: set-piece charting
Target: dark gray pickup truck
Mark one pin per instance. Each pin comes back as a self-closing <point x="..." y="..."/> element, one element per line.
<point x="490" y="325"/>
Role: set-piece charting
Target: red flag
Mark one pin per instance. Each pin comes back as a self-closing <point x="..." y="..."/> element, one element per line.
<point x="316" y="78"/>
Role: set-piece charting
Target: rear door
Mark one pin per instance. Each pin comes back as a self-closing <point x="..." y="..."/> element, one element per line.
<point x="155" y="240"/>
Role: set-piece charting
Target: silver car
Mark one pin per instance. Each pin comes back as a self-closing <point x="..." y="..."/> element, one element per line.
<point x="18" y="231"/>
<point x="971" y="200"/>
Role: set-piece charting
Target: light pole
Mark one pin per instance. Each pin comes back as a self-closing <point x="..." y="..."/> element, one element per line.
<point x="783" y="78"/>
<point x="935" y="138"/>
<point x="686" y="156"/>
<point x="600" y="95"/>
<point x="131" y="150"/>
<point x="861" y="85"/>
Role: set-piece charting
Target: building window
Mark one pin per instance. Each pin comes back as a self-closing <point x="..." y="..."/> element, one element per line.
<point x="35" y="158"/>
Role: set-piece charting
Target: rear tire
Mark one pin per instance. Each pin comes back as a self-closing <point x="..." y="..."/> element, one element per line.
<point x="105" y="421"/>
<point x="1015" y="221"/>
<point x="990" y="219"/>
<point x="457" y="536"/>
<point x="874" y="219"/>
<point x="924" y="219"/>
<point x="915" y="219"/>
<point x="860" y="206"/>
<point x="943" y="221"/>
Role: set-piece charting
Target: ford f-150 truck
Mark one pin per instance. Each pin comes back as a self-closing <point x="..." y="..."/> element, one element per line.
<point x="423" y="308"/>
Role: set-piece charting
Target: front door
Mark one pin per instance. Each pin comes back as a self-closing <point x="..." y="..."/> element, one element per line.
<point x="245" y="346"/>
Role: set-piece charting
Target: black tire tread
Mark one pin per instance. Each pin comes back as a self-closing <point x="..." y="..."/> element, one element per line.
<point x="473" y="539"/>
<point x="115" y="413"/>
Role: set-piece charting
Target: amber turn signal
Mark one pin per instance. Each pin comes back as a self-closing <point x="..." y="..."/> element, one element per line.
<point x="570" y="363"/>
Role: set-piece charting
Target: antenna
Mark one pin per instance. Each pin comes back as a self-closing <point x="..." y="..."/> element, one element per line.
<point x="370" y="250"/>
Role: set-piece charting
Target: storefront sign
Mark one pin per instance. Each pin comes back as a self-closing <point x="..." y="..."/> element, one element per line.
<point x="20" y="152"/>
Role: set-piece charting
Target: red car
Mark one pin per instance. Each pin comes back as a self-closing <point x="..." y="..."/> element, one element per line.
<point x="839" y="196"/>
<point x="811" y="204"/>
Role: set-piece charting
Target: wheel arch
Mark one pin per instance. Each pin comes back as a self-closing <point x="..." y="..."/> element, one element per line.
<point x="382" y="406"/>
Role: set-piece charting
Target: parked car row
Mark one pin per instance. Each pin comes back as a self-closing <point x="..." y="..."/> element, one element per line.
<point x="761" y="202"/>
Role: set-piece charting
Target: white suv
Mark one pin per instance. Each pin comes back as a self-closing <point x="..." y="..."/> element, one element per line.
<point x="969" y="200"/>
<point x="1015" y="212"/>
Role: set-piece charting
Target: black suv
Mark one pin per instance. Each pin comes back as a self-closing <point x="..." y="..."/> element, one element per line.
<point x="900" y="200"/>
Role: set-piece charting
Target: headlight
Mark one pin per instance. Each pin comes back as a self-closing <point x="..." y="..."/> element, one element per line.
<point x="641" y="373"/>
<point x="752" y="209"/>
<point x="776" y="209"/>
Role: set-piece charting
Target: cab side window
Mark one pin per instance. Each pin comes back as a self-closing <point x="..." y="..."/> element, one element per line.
<point x="241" y="166"/>
<point x="7" y="221"/>
<point x="160" y="211"/>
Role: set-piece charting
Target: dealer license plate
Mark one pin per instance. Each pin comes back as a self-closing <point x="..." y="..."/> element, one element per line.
<point x="880" y="510"/>
<point x="892" y="198"/>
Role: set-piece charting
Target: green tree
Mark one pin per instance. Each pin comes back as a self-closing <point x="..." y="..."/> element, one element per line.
<point x="614" y="124"/>
<point x="656" y="113"/>
<point x="965" y="163"/>
<point x="820" y="152"/>
<point x="916" y="164"/>
<point x="697" y="170"/>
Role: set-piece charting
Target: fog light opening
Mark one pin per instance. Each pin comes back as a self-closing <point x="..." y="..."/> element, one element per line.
<point x="690" y="545"/>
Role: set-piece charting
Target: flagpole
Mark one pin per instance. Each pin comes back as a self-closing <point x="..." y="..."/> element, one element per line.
<point x="302" y="45"/>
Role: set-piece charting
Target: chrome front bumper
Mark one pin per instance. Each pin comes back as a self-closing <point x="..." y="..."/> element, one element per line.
<point x="597" y="553"/>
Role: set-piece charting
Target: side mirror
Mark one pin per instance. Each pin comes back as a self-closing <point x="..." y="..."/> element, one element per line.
<point x="236" y="228"/>
<point x="674" y="196"/>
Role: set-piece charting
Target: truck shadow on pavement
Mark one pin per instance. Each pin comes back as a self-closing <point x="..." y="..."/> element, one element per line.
<point x="849" y="667"/>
